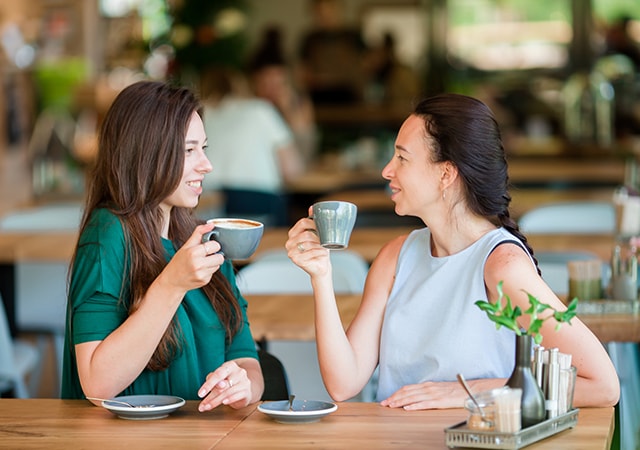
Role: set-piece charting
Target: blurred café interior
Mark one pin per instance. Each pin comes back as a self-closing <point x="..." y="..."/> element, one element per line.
<point x="562" y="76"/>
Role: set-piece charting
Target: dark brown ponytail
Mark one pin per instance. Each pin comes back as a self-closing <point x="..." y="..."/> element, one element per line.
<point x="465" y="132"/>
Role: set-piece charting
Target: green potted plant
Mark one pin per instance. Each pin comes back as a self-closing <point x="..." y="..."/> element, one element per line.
<point x="505" y="315"/>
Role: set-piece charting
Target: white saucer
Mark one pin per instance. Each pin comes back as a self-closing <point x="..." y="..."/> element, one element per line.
<point x="303" y="411"/>
<point x="146" y="407"/>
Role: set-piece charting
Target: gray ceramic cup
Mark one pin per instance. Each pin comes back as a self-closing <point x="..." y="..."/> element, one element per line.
<point x="238" y="238"/>
<point x="334" y="222"/>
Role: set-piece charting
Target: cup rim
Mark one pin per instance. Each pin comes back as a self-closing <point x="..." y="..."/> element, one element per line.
<point x="485" y="398"/>
<point x="334" y="201"/>
<point x="232" y="219"/>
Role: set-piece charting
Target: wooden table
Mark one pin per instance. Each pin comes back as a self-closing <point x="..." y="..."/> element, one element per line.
<point x="291" y="317"/>
<point x="559" y="171"/>
<point x="370" y="426"/>
<point x="72" y="424"/>
<point x="523" y="200"/>
<point x="58" y="247"/>
<point x="551" y="173"/>
<point x="55" y="246"/>
<point x="63" y="424"/>
<point x="599" y="244"/>
<point x="614" y="327"/>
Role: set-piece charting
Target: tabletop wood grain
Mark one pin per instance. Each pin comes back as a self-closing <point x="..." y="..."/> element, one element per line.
<point x="63" y="424"/>
<point x="291" y="317"/>
<point x="66" y="424"/>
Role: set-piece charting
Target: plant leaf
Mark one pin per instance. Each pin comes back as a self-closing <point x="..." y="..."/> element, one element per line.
<point x="507" y="315"/>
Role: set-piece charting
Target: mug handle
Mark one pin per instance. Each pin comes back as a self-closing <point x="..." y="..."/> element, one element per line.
<point x="211" y="235"/>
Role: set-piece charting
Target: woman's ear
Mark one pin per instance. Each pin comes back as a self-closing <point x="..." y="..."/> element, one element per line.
<point x="448" y="175"/>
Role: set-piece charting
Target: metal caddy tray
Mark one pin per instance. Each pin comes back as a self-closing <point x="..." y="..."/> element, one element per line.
<point x="460" y="436"/>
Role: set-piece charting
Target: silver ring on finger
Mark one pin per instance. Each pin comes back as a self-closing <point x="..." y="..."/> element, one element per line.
<point x="301" y="249"/>
<point x="230" y="382"/>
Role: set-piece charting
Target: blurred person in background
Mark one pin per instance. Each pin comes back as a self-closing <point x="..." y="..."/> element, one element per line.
<point x="251" y="148"/>
<point x="618" y="41"/>
<point x="332" y="56"/>
<point x="390" y="80"/>
<point x="271" y="78"/>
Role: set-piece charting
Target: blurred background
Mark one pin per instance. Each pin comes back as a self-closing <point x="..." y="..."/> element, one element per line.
<point x="562" y="75"/>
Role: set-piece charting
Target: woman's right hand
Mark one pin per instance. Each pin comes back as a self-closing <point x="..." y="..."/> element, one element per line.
<point x="195" y="262"/>
<point x="304" y="249"/>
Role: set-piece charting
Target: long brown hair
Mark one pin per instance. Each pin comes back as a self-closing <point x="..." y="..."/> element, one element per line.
<point x="139" y="164"/>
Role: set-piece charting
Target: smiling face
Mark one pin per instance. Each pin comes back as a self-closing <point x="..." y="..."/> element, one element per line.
<point x="414" y="179"/>
<point x="196" y="165"/>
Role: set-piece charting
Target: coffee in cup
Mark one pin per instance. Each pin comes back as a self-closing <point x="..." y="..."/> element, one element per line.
<point x="334" y="222"/>
<point x="238" y="238"/>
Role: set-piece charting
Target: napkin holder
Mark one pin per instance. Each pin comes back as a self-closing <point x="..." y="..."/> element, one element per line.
<point x="460" y="435"/>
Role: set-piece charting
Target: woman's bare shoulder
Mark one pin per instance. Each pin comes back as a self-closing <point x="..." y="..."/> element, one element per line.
<point x="392" y="248"/>
<point x="384" y="264"/>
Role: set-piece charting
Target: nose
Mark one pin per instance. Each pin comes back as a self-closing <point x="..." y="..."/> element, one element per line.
<point x="204" y="165"/>
<point x="387" y="171"/>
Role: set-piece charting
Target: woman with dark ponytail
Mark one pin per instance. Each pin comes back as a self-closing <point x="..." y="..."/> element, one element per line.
<point x="418" y="322"/>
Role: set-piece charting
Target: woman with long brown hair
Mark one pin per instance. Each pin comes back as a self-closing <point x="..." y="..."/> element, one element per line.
<point x="152" y="309"/>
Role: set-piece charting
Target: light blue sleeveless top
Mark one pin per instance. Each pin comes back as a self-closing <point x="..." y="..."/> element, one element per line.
<point x="432" y="329"/>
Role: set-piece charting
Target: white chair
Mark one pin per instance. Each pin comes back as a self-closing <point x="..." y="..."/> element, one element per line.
<point x="272" y="273"/>
<point x="55" y="217"/>
<point x="41" y="286"/>
<point x="580" y="217"/>
<point x="583" y="217"/>
<point x="18" y="361"/>
<point x="41" y="303"/>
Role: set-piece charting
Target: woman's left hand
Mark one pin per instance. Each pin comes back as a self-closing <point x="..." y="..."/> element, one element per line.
<point x="428" y="395"/>
<point x="437" y="394"/>
<point x="227" y="385"/>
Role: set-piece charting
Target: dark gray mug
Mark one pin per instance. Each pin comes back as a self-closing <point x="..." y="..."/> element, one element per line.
<point x="238" y="238"/>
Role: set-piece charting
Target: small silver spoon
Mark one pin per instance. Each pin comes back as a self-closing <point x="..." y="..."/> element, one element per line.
<point x="291" y="397"/>
<point x="119" y="402"/>
<point x="464" y="384"/>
